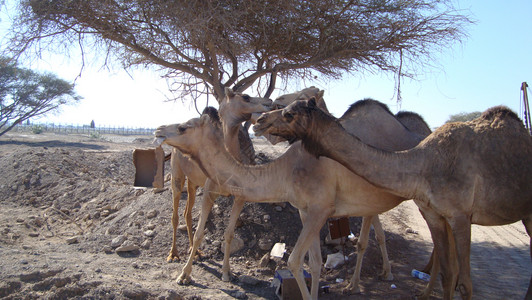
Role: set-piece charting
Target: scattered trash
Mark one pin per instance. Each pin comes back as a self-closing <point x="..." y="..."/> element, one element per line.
<point x="335" y="260"/>
<point x="339" y="280"/>
<point x="393" y="286"/>
<point x="325" y="289"/>
<point x="420" y="275"/>
<point x="278" y="251"/>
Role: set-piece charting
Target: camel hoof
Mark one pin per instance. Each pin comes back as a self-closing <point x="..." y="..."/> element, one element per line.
<point x="183" y="279"/>
<point x="351" y="289"/>
<point x="172" y="257"/>
<point x="386" y="277"/>
<point x="226" y="277"/>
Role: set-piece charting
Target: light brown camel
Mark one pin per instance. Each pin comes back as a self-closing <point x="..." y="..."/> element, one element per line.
<point x="477" y="172"/>
<point x="309" y="184"/>
<point x="235" y="108"/>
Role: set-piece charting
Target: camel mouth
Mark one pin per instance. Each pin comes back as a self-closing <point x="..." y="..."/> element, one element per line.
<point x="158" y="140"/>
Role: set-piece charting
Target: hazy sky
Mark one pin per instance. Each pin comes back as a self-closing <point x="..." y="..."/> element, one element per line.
<point x="484" y="71"/>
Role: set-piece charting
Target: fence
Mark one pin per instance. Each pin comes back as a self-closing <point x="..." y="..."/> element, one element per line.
<point x="82" y="129"/>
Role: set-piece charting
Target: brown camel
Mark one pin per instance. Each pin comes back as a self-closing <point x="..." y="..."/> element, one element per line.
<point x="235" y="108"/>
<point x="314" y="186"/>
<point x="464" y="173"/>
<point x="355" y="120"/>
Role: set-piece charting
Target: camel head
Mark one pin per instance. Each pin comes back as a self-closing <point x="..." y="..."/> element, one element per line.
<point x="291" y="123"/>
<point x="237" y="107"/>
<point x="190" y="137"/>
<point x="305" y="94"/>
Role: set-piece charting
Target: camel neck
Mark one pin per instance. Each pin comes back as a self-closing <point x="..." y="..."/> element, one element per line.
<point x="256" y="183"/>
<point x="231" y="142"/>
<point x="397" y="172"/>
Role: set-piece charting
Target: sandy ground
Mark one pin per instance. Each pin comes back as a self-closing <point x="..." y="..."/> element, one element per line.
<point x="65" y="200"/>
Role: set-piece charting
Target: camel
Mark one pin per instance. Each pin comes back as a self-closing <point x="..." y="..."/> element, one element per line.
<point x="311" y="185"/>
<point x="353" y="120"/>
<point x="235" y="108"/>
<point x="476" y="172"/>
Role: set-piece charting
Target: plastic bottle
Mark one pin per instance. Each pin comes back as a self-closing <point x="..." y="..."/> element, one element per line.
<point x="420" y="275"/>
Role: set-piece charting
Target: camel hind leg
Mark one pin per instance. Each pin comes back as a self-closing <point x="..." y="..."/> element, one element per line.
<point x="381" y="240"/>
<point x="353" y="286"/>
<point x="177" y="183"/>
<point x="208" y="201"/>
<point x="238" y="204"/>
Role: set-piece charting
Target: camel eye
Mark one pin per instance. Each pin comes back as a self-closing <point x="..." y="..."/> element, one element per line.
<point x="181" y="129"/>
<point x="246" y="98"/>
<point x="288" y="116"/>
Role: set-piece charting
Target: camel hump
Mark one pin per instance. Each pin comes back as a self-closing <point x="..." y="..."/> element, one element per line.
<point x="499" y="112"/>
<point x="213" y="113"/>
<point x="365" y="103"/>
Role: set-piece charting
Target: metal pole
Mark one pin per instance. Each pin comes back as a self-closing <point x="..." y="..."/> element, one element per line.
<point x="528" y="122"/>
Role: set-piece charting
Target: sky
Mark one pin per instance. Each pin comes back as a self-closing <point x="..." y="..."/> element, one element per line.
<point x="485" y="70"/>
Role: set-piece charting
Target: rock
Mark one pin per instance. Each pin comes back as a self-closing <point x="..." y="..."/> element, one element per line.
<point x="170" y="295"/>
<point x="239" y="295"/>
<point x="72" y="240"/>
<point x="266" y="218"/>
<point x="150" y="226"/>
<point x="264" y="260"/>
<point x="117" y="241"/>
<point x="127" y="246"/>
<point x="146" y="244"/>
<point x="152" y="214"/>
<point x="265" y="244"/>
<point x="107" y="249"/>
<point x="246" y="279"/>
<point x="278" y="208"/>
<point x="236" y="245"/>
<point x="182" y="227"/>
<point x="149" y="233"/>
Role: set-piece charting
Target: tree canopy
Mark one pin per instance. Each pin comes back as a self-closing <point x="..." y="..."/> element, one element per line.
<point x="206" y="45"/>
<point x="25" y="94"/>
<point x="463" y="117"/>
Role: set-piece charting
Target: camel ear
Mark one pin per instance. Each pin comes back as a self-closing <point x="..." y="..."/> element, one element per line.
<point x="320" y="95"/>
<point x="312" y="103"/>
<point x="229" y="92"/>
<point x="204" y="119"/>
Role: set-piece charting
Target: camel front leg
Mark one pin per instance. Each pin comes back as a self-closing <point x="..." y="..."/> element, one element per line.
<point x="238" y="204"/>
<point x="177" y="182"/>
<point x="461" y="229"/>
<point x="315" y="262"/>
<point x="208" y="202"/>
<point x="381" y="240"/>
<point x="443" y="253"/>
<point x="353" y="286"/>
<point x="314" y="220"/>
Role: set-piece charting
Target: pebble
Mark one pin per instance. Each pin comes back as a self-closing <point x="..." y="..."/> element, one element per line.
<point x="152" y="214"/>
<point x="127" y="246"/>
<point x="117" y="241"/>
<point x="278" y="208"/>
<point x="72" y="240"/>
<point x="149" y="233"/>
